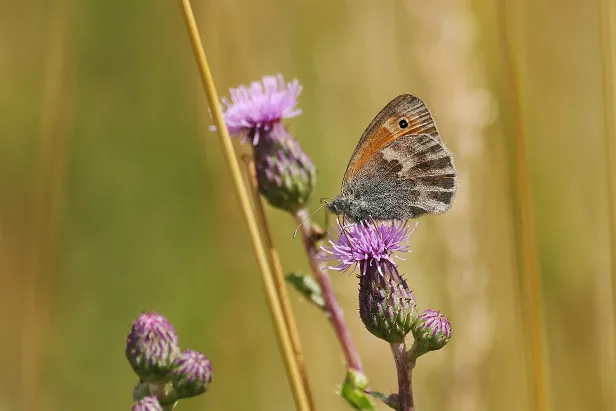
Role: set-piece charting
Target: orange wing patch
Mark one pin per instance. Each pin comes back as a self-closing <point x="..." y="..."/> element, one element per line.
<point x="385" y="128"/>
<point x="379" y="139"/>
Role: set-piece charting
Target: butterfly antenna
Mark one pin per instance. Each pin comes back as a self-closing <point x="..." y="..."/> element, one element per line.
<point x="306" y="219"/>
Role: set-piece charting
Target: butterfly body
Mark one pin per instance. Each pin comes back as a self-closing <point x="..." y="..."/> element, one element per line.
<point x="400" y="168"/>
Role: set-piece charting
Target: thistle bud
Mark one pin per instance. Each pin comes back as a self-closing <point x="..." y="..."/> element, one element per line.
<point x="285" y="174"/>
<point x="432" y="331"/>
<point x="151" y="347"/>
<point x="191" y="374"/>
<point x="386" y="305"/>
<point x="147" y="404"/>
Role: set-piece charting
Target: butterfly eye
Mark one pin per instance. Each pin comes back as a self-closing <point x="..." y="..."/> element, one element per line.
<point x="403" y="123"/>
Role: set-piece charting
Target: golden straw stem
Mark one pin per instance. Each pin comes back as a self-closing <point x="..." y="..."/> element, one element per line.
<point x="529" y="276"/>
<point x="609" y="130"/>
<point x="300" y="394"/>
<point x="47" y="202"/>
<point x="278" y="275"/>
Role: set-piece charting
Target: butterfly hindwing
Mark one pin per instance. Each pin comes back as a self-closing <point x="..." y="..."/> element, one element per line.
<point x="386" y="128"/>
<point x="411" y="176"/>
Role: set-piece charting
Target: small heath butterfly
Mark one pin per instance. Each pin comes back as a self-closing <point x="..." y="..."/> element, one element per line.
<point x="400" y="168"/>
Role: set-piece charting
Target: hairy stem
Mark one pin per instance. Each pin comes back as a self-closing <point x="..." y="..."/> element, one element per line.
<point x="334" y="310"/>
<point x="404" y="368"/>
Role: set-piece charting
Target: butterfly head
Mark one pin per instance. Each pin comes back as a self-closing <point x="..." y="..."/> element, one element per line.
<point x="348" y="206"/>
<point x="335" y="206"/>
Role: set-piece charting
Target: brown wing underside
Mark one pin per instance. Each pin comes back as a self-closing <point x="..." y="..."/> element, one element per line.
<point x="385" y="128"/>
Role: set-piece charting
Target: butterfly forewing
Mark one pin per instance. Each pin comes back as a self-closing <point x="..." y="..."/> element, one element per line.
<point x="386" y="127"/>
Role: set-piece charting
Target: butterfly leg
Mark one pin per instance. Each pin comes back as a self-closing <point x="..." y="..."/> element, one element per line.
<point x="343" y="230"/>
<point x="376" y="228"/>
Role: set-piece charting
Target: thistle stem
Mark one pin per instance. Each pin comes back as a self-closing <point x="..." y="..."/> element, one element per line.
<point x="404" y="368"/>
<point x="336" y="314"/>
<point x="300" y="394"/>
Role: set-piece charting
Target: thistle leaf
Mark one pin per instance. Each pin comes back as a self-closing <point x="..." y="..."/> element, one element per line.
<point x="307" y="287"/>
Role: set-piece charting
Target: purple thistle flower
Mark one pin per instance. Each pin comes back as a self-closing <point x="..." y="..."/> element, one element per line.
<point x="191" y="374"/>
<point x="432" y="331"/>
<point x="256" y="110"/>
<point x="366" y="244"/>
<point x="285" y="175"/>
<point x="147" y="404"/>
<point x="151" y="346"/>
<point x="387" y="306"/>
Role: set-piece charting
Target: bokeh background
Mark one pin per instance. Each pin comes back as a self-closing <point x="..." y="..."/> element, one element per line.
<point x="114" y="197"/>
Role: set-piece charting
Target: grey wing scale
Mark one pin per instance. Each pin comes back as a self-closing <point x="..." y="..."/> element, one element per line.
<point x="411" y="176"/>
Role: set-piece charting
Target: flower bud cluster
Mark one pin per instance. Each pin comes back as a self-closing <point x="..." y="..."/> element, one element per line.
<point x="166" y="374"/>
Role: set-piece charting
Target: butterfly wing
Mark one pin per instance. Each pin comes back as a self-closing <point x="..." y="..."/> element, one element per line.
<point x="387" y="127"/>
<point x="411" y="176"/>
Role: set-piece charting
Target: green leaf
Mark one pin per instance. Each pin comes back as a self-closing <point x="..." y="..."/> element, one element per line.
<point x="353" y="391"/>
<point x="308" y="287"/>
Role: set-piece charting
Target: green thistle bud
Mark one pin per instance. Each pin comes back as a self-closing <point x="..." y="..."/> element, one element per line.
<point x="285" y="174"/>
<point x="151" y="347"/>
<point x="147" y="404"/>
<point x="432" y="331"/>
<point x="386" y="305"/>
<point x="191" y="374"/>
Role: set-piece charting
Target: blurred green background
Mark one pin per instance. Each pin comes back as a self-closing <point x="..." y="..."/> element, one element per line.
<point x="114" y="197"/>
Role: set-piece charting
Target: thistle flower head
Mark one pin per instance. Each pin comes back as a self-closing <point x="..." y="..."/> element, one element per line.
<point x="151" y="346"/>
<point x="285" y="174"/>
<point x="147" y="404"/>
<point x="432" y="330"/>
<point x="191" y="374"/>
<point x="257" y="109"/>
<point x="367" y="244"/>
<point x="387" y="306"/>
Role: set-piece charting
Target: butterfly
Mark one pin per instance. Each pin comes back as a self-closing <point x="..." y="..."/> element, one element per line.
<point x="400" y="168"/>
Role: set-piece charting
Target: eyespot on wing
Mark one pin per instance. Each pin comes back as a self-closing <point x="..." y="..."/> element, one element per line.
<point x="404" y="115"/>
